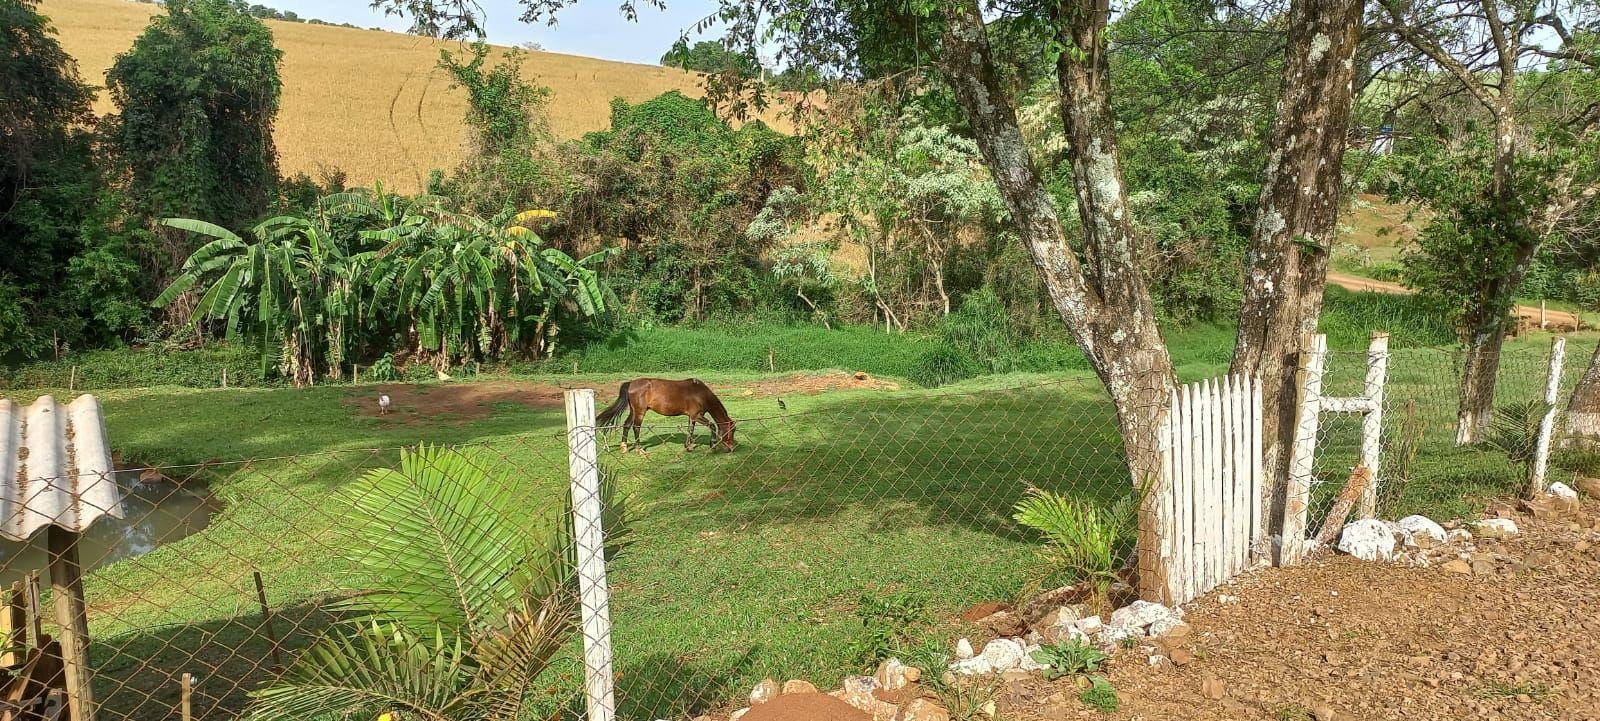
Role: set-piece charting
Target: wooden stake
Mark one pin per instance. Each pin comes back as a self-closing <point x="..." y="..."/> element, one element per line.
<point x="224" y="377"/>
<point x="35" y="618"/>
<point x="1297" y="495"/>
<point x="1354" y="490"/>
<point x="187" y="698"/>
<point x="266" y="621"/>
<point x="772" y="365"/>
<point x="72" y="621"/>
<point x="14" y="625"/>
<point x="1372" y="420"/>
<point x="72" y="379"/>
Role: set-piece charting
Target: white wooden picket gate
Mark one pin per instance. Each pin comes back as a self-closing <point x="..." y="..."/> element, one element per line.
<point x="1209" y="506"/>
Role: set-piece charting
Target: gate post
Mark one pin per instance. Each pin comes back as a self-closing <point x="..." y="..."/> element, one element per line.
<point x="1308" y="411"/>
<point x="1372" y="420"/>
<point x="1552" y="390"/>
<point x="588" y="538"/>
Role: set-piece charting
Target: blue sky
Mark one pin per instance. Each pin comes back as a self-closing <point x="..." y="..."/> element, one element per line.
<point x="594" y="28"/>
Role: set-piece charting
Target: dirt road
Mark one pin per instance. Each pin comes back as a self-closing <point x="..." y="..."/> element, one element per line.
<point x="1527" y="315"/>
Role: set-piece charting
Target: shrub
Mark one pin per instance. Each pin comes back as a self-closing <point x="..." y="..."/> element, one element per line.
<point x="941" y="364"/>
<point x="141" y="367"/>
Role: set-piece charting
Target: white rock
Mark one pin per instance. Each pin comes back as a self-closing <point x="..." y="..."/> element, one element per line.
<point x="1164" y="626"/>
<point x="1140" y="614"/>
<point x="1563" y="491"/>
<point x="1494" y="528"/>
<point x="1113" y="636"/>
<point x="859" y="684"/>
<point x="1367" y="539"/>
<point x="974" y="666"/>
<point x="1003" y="654"/>
<point x="1456" y="535"/>
<point x="964" y="649"/>
<point x="736" y="715"/>
<point x="1224" y="599"/>
<point x="1414" y="526"/>
<point x="1089" y="625"/>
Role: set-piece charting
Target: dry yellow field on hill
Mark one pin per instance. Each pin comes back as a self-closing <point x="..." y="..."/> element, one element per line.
<point x="368" y="102"/>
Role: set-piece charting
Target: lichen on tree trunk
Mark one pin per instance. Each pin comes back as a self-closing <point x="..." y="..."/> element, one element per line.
<point x="1287" y="263"/>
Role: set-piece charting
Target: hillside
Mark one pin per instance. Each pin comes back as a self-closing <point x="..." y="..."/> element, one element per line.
<point x="368" y="102"/>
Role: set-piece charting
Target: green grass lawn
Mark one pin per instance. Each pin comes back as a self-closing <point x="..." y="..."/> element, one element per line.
<point x="744" y="565"/>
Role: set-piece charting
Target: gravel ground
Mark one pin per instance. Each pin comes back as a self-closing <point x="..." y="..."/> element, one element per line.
<point x="1515" y="637"/>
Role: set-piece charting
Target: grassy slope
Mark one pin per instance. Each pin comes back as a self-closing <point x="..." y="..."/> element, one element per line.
<point x="369" y="102"/>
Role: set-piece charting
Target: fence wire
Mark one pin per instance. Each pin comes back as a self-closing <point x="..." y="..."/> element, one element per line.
<point x="843" y="528"/>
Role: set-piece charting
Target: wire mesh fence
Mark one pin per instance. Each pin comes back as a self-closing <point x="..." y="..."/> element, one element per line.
<point x="844" y="527"/>
<point x="1423" y="468"/>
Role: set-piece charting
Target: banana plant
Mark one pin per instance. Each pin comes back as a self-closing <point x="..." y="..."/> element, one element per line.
<point x="291" y="287"/>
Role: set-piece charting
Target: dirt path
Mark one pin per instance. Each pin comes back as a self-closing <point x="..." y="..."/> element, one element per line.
<point x="1527" y="315"/>
<point x="1347" y="640"/>
<point x="463" y="401"/>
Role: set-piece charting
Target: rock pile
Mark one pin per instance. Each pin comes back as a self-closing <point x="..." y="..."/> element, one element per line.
<point x="894" y="693"/>
<point x="1017" y="638"/>
<point x="1470" y="547"/>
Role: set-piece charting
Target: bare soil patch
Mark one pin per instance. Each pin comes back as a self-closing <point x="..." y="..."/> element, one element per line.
<point x="806" y="707"/>
<point x="1343" y="639"/>
<point x="1556" y="321"/>
<point x="465" y="401"/>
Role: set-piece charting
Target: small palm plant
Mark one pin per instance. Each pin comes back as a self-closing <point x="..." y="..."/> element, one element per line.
<point x="1084" y="539"/>
<point x="466" y="599"/>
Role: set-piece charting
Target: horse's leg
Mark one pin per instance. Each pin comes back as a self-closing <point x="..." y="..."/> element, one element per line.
<point x="688" y="438"/>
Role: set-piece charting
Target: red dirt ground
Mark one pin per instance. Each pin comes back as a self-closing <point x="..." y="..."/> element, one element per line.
<point x="805" y="707"/>
<point x="467" y="400"/>
<point x="1343" y="640"/>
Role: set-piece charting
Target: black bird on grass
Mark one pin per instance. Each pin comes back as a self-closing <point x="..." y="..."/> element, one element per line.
<point x="782" y="406"/>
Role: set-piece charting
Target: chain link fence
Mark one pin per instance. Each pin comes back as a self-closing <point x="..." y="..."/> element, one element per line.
<point x="1423" y="469"/>
<point x="844" y="527"/>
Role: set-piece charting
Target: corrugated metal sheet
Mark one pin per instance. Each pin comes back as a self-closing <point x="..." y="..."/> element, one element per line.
<point x="55" y="467"/>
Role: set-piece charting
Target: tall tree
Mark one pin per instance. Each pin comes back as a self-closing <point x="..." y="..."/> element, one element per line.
<point x="197" y="95"/>
<point x="1486" y="50"/>
<point x="48" y="186"/>
<point x="1097" y="284"/>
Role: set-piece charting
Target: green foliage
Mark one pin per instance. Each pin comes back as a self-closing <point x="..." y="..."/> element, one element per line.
<point x="65" y="276"/>
<point x="1412" y="321"/>
<point x="144" y="367"/>
<point x="507" y="112"/>
<point x="710" y="56"/>
<point x="383" y="369"/>
<point x="1081" y="537"/>
<point x="197" y="95"/>
<point x="1070" y="658"/>
<point x="888" y="624"/>
<point x="743" y="347"/>
<point x="941" y="364"/>
<point x="370" y="271"/>
<point x="680" y="187"/>
<point x="1101" y="695"/>
<point x="465" y="601"/>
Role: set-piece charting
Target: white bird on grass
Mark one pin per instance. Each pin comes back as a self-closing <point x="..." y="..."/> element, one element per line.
<point x="383" y="404"/>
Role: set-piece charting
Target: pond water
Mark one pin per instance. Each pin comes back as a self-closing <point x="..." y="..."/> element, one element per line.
<point x="157" y="512"/>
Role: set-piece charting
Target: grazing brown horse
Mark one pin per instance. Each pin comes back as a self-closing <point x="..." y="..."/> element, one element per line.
<point x="670" y="398"/>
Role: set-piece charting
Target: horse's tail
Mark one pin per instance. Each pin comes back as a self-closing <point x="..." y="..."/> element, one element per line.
<point x="612" y="411"/>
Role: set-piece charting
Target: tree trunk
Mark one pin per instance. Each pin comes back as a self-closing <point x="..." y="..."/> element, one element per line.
<point x="1287" y="263"/>
<point x="1486" y="315"/>
<point x="1583" y="411"/>
<point x="1108" y="309"/>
